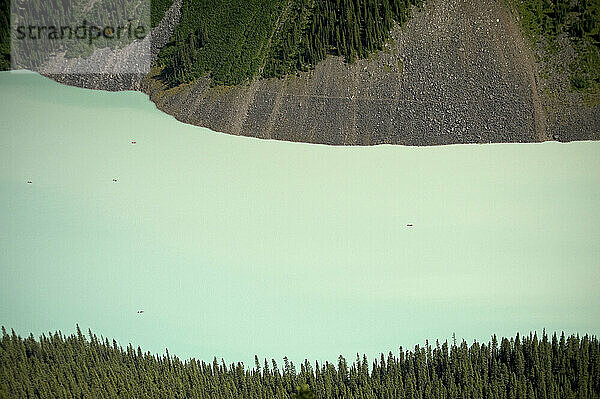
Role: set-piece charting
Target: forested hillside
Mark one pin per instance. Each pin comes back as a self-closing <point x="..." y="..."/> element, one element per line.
<point x="59" y="366"/>
<point x="350" y="28"/>
<point x="546" y="22"/>
<point x="237" y="40"/>
<point x="227" y="38"/>
<point x="158" y="9"/>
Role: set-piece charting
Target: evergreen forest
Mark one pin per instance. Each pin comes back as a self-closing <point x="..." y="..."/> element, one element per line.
<point x="80" y="366"/>
<point x="234" y="41"/>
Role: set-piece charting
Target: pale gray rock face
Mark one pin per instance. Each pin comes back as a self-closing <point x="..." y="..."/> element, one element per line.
<point x="458" y="72"/>
<point x="135" y="59"/>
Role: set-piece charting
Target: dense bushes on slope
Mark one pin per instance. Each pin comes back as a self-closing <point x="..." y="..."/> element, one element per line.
<point x="58" y="366"/>
<point x="545" y="21"/>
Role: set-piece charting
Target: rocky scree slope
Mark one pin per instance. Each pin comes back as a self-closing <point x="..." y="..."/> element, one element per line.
<point x="458" y="72"/>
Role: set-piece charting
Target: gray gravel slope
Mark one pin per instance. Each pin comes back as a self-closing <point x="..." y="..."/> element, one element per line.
<point x="458" y="72"/>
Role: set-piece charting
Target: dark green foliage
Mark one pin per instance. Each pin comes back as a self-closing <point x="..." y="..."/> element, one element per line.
<point x="350" y="28"/>
<point x="579" y="18"/>
<point x="59" y="366"/>
<point x="545" y="20"/>
<point x="4" y="35"/>
<point x="303" y="392"/>
<point x="226" y="38"/>
<point x="158" y="9"/>
<point x="238" y="40"/>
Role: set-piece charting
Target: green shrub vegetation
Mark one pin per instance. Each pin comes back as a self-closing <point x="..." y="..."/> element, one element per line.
<point x="234" y="41"/>
<point x="545" y="20"/>
<point x="58" y="366"/>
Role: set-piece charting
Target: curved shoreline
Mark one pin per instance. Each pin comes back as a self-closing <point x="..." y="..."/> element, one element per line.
<point x="458" y="72"/>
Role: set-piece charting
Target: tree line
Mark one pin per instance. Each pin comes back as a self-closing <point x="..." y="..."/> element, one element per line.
<point x="234" y="41"/>
<point x="349" y="28"/>
<point x="79" y="366"/>
<point x="224" y="38"/>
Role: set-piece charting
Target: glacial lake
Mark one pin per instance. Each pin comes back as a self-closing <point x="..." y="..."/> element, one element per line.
<point x="235" y="246"/>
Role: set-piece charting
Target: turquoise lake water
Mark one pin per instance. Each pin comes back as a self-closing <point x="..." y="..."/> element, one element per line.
<point x="235" y="246"/>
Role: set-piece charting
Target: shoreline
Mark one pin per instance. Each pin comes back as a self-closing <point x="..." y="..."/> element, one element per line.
<point x="457" y="73"/>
